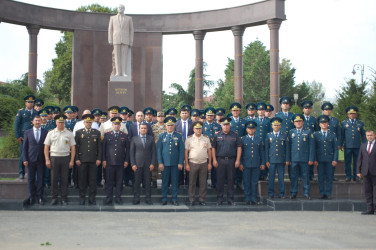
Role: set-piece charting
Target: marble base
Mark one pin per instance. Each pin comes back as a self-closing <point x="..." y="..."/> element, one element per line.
<point x="121" y="93"/>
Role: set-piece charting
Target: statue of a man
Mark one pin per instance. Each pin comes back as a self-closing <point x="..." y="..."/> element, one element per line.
<point x="120" y="35"/>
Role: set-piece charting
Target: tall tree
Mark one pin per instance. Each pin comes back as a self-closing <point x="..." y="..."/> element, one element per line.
<point x="367" y="109"/>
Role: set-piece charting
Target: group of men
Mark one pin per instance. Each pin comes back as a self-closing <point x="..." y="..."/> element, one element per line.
<point x="236" y="151"/>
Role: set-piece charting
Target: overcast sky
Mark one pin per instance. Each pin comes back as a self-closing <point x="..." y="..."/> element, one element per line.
<point x="324" y="39"/>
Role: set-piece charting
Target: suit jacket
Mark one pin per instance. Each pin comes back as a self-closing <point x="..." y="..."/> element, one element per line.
<point x="115" y="150"/>
<point x="133" y="130"/>
<point x="367" y="163"/>
<point x="120" y="30"/>
<point x="142" y="156"/>
<point x="179" y="128"/>
<point x="33" y="151"/>
<point x="88" y="145"/>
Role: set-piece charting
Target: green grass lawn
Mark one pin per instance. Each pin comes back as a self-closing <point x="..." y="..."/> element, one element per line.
<point x="2" y="140"/>
<point x="341" y="156"/>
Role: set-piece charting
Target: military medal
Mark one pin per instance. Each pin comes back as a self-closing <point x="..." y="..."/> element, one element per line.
<point x="82" y="136"/>
<point x="293" y="135"/>
<point x="347" y="125"/>
<point x="304" y="139"/>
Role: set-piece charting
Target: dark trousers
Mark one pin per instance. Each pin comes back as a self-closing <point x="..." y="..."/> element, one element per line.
<point x="311" y="172"/>
<point x="47" y="176"/>
<point x="369" y="182"/>
<point x="21" y="167"/>
<point x="99" y="174"/>
<point x="325" y="177"/>
<point x="114" y="174"/>
<point x="213" y="177"/>
<point x="225" y="171"/>
<point x="142" y="175"/>
<point x="280" y="169"/>
<point x="351" y="156"/>
<point x="59" y="171"/>
<point x="73" y="175"/>
<point x="128" y="175"/>
<point x="200" y="171"/>
<point x="170" y="175"/>
<point x="183" y="176"/>
<point x="250" y="180"/>
<point x="303" y="169"/>
<point x="87" y="174"/>
<point x="35" y="179"/>
<point x="238" y="177"/>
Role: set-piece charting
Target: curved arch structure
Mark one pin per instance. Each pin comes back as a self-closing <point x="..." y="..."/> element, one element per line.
<point x="92" y="54"/>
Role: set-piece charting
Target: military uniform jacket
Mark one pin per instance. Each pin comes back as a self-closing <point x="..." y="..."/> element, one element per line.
<point x="211" y="129"/>
<point x="157" y="130"/>
<point x="88" y="145"/>
<point x="253" y="153"/>
<point x="287" y="122"/>
<point x="170" y="149"/>
<point x="23" y="121"/>
<point x="353" y="134"/>
<point x="326" y="148"/>
<point x="302" y="146"/>
<point x="48" y="126"/>
<point x="226" y="145"/>
<point x="238" y="127"/>
<point x="263" y="127"/>
<point x="335" y="128"/>
<point x="311" y="124"/>
<point x="277" y="149"/>
<point x="70" y="124"/>
<point x="115" y="150"/>
<point x="249" y="118"/>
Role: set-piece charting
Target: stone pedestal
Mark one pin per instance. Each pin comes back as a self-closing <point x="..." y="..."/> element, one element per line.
<point x="121" y="93"/>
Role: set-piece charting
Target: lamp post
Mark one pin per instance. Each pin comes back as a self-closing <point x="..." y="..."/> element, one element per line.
<point x="358" y="67"/>
<point x="296" y="97"/>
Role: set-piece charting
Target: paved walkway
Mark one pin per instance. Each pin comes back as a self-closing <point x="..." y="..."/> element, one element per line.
<point x="187" y="230"/>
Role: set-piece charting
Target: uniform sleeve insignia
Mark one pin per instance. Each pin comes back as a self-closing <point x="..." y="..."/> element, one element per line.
<point x="312" y="135"/>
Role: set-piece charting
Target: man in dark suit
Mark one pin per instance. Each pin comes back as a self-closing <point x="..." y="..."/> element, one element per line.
<point x="367" y="170"/>
<point x="88" y="158"/>
<point x="184" y="127"/>
<point x="142" y="156"/>
<point x="33" y="158"/>
<point x="115" y="159"/>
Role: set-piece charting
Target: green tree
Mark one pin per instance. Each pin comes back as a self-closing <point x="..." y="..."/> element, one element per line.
<point x="58" y="79"/>
<point x="367" y="109"/>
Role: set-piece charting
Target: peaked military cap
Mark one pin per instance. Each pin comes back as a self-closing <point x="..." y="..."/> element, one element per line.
<point x="38" y="102"/>
<point x="75" y="109"/>
<point x="96" y="112"/>
<point x="210" y="111"/>
<point x="250" y="124"/>
<point x="220" y="111"/>
<point x="49" y="108"/>
<point x="285" y="99"/>
<point x="172" y="111"/>
<point x="29" y="98"/>
<point x="298" y="117"/>
<point x="116" y="120"/>
<point x="261" y="105"/>
<point x="225" y="120"/>
<point x="68" y="109"/>
<point x="202" y="114"/>
<point x="114" y="109"/>
<point x="88" y="117"/>
<point x="197" y="124"/>
<point x="60" y="118"/>
<point x="148" y="111"/>
<point x="229" y="115"/>
<point x="56" y="110"/>
<point x="170" y="120"/>
<point x="276" y="121"/>
<point x="44" y="112"/>
<point x="326" y="105"/>
<point x="351" y="110"/>
<point x="185" y="107"/>
<point x="323" y="118"/>
<point x="306" y="104"/>
<point x="160" y="114"/>
<point x="269" y="107"/>
<point x="130" y="113"/>
<point x="123" y="110"/>
<point x="195" y="112"/>
<point x="104" y="115"/>
<point x="235" y="106"/>
<point x="250" y="105"/>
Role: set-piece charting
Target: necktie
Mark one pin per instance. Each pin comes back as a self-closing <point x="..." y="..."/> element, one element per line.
<point x="116" y="135"/>
<point x="261" y="120"/>
<point x="138" y="131"/>
<point x="286" y="114"/>
<point x="325" y="134"/>
<point x="184" y="130"/>
<point x="276" y="135"/>
<point x="143" y="141"/>
<point x="369" y="148"/>
<point x="37" y="135"/>
<point x="307" y="118"/>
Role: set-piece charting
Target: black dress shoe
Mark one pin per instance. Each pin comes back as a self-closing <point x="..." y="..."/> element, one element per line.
<point x="248" y="203"/>
<point x="335" y="179"/>
<point x="293" y="196"/>
<point x="368" y="212"/>
<point x="118" y="201"/>
<point x="323" y="197"/>
<point x="99" y="185"/>
<point x="254" y="203"/>
<point x="164" y="203"/>
<point x="82" y="202"/>
<point x="175" y="203"/>
<point x="108" y="202"/>
<point x="231" y="203"/>
<point x="41" y="201"/>
<point x="149" y="202"/>
<point x="348" y="179"/>
<point x="92" y="203"/>
<point x="307" y="197"/>
<point x="154" y="184"/>
<point x="54" y="202"/>
<point x="26" y="202"/>
<point x="328" y="197"/>
<point x="282" y="197"/>
<point x="219" y="203"/>
<point x="64" y="202"/>
<point x="136" y="202"/>
<point x="21" y="176"/>
<point x="192" y="203"/>
<point x="271" y="197"/>
<point x="202" y="203"/>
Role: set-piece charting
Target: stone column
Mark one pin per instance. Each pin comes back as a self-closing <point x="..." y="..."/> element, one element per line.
<point x="274" y="63"/>
<point x="238" y="32"/>
<point x="199" y="69"/>
<point x="33" y="56"/>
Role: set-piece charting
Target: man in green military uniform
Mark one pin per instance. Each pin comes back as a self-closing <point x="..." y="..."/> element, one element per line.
<point x="88" y="158"/>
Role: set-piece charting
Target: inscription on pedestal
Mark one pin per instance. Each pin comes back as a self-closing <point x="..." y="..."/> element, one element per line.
<point x="121" y="94"/>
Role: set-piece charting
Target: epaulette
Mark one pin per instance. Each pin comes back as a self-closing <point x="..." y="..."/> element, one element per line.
<point x="50" y="130"/>
<point x="205" y="136"/>
<point x="108" y="132"/>
<point x="20" y="109"/>
<point x="190" y="136"/>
